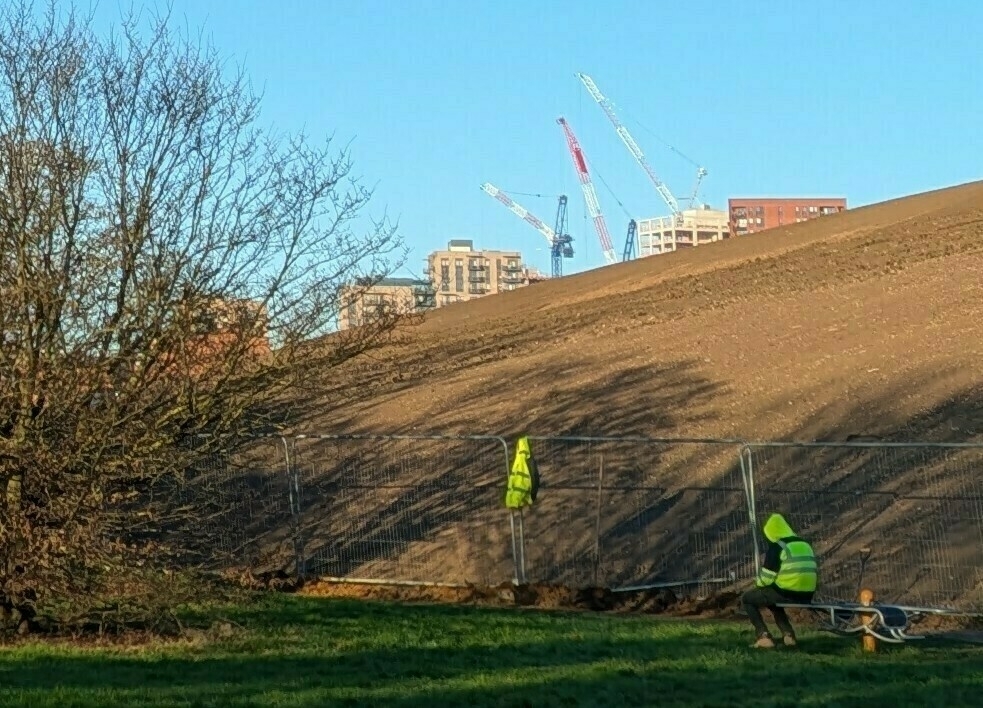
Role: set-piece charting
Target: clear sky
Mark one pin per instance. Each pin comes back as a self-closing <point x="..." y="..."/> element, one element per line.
<point x="867" y="99"/>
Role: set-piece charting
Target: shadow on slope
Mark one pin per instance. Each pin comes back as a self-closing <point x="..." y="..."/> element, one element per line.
<point x="639" y="511"/>
<point x="432" y="510"/>
<point x="918" y="508"/>
<point x="642" y="511"/>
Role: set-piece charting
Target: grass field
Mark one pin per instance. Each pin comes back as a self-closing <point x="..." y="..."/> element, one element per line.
<point x="293" y="651"/>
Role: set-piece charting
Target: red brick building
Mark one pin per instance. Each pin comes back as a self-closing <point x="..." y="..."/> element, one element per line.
<point x="748" y="216"/>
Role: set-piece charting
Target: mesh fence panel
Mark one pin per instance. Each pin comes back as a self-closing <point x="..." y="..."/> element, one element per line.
<point x="616" y="513"/>
<point x="633" y="512"/>
<point x="919" y="508"/>
<point x="231" y="511"/>
<point x="404" y="509"/>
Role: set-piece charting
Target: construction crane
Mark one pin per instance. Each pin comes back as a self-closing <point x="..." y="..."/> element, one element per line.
<point x="701" y="172"/>
<point x="630" y="143"/>
<point x="629" y="251"/>
<point x="590" y="196"/>
<point x="560" y="241"/>
<point x="560" y="248"/>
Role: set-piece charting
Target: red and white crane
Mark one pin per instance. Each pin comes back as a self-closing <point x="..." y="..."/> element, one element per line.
<point x="590" y="196"/>
<point x="630" y="143"/>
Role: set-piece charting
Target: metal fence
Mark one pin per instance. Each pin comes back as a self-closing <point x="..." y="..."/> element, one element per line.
<point x="408" y="509"/>
<point x="233" y="512"/>
<point x="918" y="508"/>
<point x="620" y="513"/>
<point x="627" y="513"/>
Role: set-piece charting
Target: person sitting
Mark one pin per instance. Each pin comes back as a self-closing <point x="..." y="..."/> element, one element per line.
<point x="789" y="574"/>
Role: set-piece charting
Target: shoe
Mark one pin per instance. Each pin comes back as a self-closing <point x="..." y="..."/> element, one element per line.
<point x="764" y="642"/>
<point x="789" y="641"/>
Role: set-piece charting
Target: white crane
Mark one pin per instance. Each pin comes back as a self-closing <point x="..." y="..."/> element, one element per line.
<point x="632" y="146"/>
<point x="560" y="242"/>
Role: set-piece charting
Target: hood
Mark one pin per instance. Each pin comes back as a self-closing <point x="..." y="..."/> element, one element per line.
<point x="522" y="447"/>
<point x="777" y="527"/>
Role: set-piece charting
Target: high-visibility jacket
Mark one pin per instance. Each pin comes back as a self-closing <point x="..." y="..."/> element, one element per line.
<point x="523" y="484"/>
<point x="790" y="563"/>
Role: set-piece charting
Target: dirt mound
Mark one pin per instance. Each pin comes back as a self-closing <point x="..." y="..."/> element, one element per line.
<point x="541" y="596"/>
<point x="818" y="330"/>
<point x="868" y="322"/>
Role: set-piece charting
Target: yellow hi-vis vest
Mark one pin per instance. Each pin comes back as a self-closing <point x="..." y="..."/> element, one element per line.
<point x="520" y="491"/>
<point x="798" y="570"/>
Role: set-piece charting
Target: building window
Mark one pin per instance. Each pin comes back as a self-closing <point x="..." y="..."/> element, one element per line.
<point x="459" y="277"/>
<point x="445" y="277"/>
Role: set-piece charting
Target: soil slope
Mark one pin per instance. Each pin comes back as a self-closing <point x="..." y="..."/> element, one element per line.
<point x="869" y="322"/>
<point x="865" y="322"/>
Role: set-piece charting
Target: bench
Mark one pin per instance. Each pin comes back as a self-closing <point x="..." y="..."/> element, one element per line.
<point x="888" y="623"/>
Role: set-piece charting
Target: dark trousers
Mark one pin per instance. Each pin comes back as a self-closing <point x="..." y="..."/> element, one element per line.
<point x="769" y="597"/>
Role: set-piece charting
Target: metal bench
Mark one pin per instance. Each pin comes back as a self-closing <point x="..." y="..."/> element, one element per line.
<point x="888" y="623"/>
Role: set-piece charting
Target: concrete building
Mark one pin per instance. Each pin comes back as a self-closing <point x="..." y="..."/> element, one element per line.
<point x="462" y="273"/>
<point x="751" y="215"/>
<point x="694" y="227"/>
<point x="365" y="299"/>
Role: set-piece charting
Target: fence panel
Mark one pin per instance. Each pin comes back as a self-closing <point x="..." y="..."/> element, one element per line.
<point x="636" y="512"/>
<point x="403" y="509"/>
<point x="231" y="511"/>
<point x="918" y="507"/>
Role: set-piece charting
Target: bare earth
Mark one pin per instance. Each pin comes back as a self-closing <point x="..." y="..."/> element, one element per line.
<point x="869" y="322"/>
<point x="860" y="323"/>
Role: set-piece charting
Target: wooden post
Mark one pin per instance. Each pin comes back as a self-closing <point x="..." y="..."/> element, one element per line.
<point x="867" y="599"/>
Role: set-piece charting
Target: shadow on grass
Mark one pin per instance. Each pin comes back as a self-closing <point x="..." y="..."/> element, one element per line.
<point x="310" y="652"/>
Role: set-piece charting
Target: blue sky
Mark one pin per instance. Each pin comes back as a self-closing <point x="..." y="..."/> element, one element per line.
<point x="868" y="99"/>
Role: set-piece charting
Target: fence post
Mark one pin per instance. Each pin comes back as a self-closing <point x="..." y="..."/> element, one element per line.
<point x="597" y="520"/>
<point x="522" y="545"/>
<point x="293" y="493"/>
<point x="747" y="474"/>
<point x="518" y="540"/>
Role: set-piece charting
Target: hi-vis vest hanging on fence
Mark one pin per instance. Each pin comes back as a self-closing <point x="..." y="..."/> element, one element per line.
<point x="524" y="478"/>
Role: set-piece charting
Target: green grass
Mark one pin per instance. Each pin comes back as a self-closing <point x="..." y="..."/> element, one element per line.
<point x="294" y="651"/>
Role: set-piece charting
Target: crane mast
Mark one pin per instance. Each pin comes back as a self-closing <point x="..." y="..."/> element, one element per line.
<point x="701" y="172"/>
<point x="630" y="143"/>
<point x="560" y="242"/>
<point x="561" y="247"/>
<point x="630" y="239"/>
<point x="590" y="196"/>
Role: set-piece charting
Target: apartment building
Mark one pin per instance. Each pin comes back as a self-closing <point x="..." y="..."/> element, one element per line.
<point x="367" y="298"/>
<point x="751" y="215"/>
<point x="693" y="227"/>
<point x="461" y="273"/>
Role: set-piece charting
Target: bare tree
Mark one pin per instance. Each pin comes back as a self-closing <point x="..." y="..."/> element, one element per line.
<point x="168" y="269"/>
